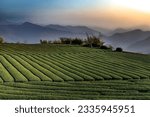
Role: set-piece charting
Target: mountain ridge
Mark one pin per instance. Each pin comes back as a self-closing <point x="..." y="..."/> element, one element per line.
<point x="130" y="38"/>
<point x="32" y="33"/>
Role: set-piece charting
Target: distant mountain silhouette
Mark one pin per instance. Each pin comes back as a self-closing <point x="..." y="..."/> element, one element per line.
<point x="143" y="27"/>
<point x="118" y="30"/>
<point x="104" y="31"/>
<point x="127" y="38"/>
<point x="142" y="46"/>
<point x="33" y="33"/>
<point x="71" y="29"/>
<point x="4" y="22"/>
<point x="135" y="40"/>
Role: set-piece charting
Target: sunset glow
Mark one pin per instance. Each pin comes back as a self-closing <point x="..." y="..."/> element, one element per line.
<point x="102" y="13"/>
<point x="140" y="5"/>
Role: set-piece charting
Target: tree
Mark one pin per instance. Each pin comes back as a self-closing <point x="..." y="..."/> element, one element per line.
<point x="119" y="49"/>
<point x="44" y="41"/>
<point x="94" y="41"/>
<point x="57" y="42"/>
<point x="77" y="41"/>
<point x="71" y="41"/>
<point x="104" y="47"/>
<point x="1" y="40"/>
<point x="66" y="40"/>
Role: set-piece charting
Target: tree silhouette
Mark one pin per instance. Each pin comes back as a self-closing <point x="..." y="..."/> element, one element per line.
<point x="1" y="40"/>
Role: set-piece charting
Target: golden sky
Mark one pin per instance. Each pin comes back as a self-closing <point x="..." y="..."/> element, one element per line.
<point x="118" y="13"/>
<point x="99" y="13"/>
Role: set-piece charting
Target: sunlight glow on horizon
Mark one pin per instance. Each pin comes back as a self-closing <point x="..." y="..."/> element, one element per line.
<point x="139" y="5"/>
<point x="102" y="13"/>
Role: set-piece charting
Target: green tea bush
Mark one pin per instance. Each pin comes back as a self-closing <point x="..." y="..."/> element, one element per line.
<point x="27" y="74"/>
<point x="13" y="71"/>
<point x="43" y="70"/>
<point x="58" y="73"/>
<point x="59" y="67"/>
<point x="4" y="74"/>
<point x="32" y="69"/>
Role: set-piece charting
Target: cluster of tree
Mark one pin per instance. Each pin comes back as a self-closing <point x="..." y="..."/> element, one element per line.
<point x="1" y="40"/>
<point x="45" y="42"/>
<point x="91" y="41"/>
<point x="119" y="49"/>
<point x="71" y="41"/>
<point x="63" y="40"/>
<point x="56" y="42"/>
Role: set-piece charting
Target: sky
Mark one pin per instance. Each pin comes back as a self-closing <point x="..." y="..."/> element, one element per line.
<point x="98" y="13"/>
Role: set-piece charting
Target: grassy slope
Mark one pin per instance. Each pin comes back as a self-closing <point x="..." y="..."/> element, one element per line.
<point x="106" y="75"/>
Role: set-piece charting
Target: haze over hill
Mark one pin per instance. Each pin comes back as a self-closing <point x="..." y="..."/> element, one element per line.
<point x="33" y="33"/>
<point x="142" y="46"/>
<point x="135" y="40"/>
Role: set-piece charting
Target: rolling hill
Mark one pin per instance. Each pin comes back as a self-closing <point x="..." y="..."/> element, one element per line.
<point x="71" y="72"/>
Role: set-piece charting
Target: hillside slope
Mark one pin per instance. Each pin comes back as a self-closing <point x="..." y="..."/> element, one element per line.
<point x="47" y="71"/>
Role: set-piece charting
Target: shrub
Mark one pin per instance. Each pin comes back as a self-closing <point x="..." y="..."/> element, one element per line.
<point x="65" y="40"/>
<point x="119" y="49"/>
<point x="71" y="41"/>
<point x="56" y="42"/>
<point x="12" y="70"/>
<point x="1" y="40"/>
<point x="43" y="41"/>
<point x="46" y="72"/>
<point x="35" y="71"/>
<point x="104" y="47"/>
<point x="49" y="42"/>
<point x="77" y="41"/>
<point x="93" y="41"/>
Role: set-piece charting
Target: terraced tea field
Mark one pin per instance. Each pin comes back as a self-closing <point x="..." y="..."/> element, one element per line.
<point x="71" y="72"/>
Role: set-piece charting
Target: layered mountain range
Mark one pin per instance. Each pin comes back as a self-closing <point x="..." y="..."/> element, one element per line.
<point x="130" y="40"/>
<point x="33" y="33"/>
<point x="135" y="41"/>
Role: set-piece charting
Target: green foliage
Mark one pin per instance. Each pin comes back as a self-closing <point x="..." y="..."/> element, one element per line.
<point x="119" y="49"/>
<point x="93" y="41"/>
<point x="4" y="74"/>
<point x="106" y="89"/>
<point x="65" y="40"/>
<point x="45" y="42"/>
<point x="35" y="71"/>
<point x="57" y="42"/>
<point x="75" y="72"/>
<point x="17" y="76"/>
<point x="59" y="67"/>
<point x="25" y="72"/>
<point x="43" y="70"/>
<point x="107" y="47"/>
<point x="77" y="41"/>
<point x="68" y="63"/>
<point x="1" y="40"/>
<point x="50" y="68"/>
<point x="71" y="41"/>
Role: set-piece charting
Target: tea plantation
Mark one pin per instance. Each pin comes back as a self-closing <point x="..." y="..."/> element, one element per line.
<point x="72" y="72"/>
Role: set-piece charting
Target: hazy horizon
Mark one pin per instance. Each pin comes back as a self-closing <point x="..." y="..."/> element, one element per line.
<point x="108" y="14"/>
